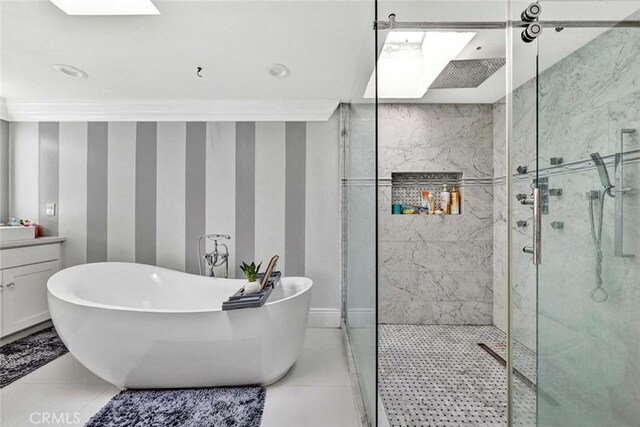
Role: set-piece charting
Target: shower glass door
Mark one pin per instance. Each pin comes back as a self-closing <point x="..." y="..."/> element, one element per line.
<point x="359" y="242"/>
<point x="587" y="167"/>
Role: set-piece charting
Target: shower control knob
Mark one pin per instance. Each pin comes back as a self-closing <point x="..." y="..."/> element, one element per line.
<point x="521" y="169"/>
<point x="524" y="199"/>
<point x="531" y="33"/>
<point x="555" y="161"/>
<point x="11" y="285"/>
<point x="531" y="13"/>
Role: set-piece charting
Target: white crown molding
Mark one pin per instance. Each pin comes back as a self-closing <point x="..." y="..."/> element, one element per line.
<point x="324" y="318"/>
<point x="167" y="110"/>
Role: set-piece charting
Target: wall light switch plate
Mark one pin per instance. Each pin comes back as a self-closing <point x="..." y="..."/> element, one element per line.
<point x="50" y="209"/>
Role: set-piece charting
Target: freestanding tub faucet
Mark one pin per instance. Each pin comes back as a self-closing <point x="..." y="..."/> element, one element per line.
<point x="217" y="257"/>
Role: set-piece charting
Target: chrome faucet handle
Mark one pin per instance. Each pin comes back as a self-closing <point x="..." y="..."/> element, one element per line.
<point x="216" y="236"/>
<point x="215" y="257"/>
<point x="224" y="254"/>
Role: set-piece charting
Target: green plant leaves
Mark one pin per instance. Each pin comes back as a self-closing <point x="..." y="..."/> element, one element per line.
<point x="250" y="270"/>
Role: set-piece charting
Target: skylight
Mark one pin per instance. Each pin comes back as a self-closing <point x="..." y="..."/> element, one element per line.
<point x="411" y="61"/>
<point x="107" y="7"/>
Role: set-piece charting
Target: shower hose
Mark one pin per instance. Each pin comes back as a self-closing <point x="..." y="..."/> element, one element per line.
<point x="599" y="294"/>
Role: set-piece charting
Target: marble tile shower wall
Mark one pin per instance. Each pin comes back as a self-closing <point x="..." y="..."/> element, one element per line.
<point x="500" y="241"/>
<point x="524" y="314"/>
<point x="437" y="269"/>
<point x="585" y="100"/>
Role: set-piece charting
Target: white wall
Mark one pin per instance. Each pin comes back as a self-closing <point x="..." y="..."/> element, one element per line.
<point x="23" y="191"/>
<point x="323" y="256"/>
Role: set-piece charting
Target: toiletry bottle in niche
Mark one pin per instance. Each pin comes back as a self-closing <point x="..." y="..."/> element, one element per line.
<point x="455" y="201"/>
<point x="432" y="204"/>
<point x="424" y="199"/>
<point x="445" y="200"/>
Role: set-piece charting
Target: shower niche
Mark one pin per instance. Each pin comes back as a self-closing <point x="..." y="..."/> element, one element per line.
<point x="407" y="188"/>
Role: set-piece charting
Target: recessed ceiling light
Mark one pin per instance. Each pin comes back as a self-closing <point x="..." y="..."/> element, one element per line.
<point x="107" y="7"/>
<point x="278" y="71"/>
<point x="70" y="71"/>
<point x="411" y="61"/>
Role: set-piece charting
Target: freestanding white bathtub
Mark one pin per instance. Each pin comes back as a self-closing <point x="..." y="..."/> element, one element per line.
<point x="140" y="326"/>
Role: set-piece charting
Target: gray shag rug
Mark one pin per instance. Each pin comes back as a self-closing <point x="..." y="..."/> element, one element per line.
<point x="203" y="407"/>
<point x="27" y="354"/>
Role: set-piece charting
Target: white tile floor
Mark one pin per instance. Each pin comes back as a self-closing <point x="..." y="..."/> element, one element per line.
<point x="316" y="392"/>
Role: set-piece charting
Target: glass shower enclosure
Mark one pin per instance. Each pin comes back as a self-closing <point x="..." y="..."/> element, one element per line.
<point x="587" y="172"/>
<point x="574" y="175"/>
<point x="565" y="194"/>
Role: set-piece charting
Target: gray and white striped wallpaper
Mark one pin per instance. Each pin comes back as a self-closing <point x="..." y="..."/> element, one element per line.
<point x="4" y="170"/>
<point x="143" y="192"/>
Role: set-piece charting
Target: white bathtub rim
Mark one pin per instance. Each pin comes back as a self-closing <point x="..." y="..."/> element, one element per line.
<point x="308" y="284"/>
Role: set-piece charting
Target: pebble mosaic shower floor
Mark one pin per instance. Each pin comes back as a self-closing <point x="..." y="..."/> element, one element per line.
<point x="437" y="375"/>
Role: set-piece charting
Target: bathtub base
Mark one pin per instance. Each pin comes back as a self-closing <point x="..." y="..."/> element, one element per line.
<point x="268" y="383"/>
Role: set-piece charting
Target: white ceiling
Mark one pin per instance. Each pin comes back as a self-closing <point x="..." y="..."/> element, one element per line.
<point x="155" y="57"/>
<point x="328" y="45"/>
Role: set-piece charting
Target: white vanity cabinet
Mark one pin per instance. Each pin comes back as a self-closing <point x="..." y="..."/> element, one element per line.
<point x="25" y="268"/>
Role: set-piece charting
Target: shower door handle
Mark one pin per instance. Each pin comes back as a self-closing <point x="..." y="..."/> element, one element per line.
<point x="537" y="227"/>
<point x="536" y="249"/>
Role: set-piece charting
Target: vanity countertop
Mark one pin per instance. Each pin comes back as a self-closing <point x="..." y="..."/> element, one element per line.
<point x="31" y="242"/>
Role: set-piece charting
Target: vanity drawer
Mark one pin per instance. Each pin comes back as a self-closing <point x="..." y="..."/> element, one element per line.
<point x="29" y="255"/>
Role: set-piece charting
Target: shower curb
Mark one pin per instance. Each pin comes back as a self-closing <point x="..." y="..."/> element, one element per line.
<point x="353" y="377"/>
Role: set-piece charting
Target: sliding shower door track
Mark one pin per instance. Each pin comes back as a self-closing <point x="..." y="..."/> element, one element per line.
<point x="498" y="25"/>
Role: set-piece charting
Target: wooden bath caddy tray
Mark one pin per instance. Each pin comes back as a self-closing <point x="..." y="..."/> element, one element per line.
<point x="239" y="300"/>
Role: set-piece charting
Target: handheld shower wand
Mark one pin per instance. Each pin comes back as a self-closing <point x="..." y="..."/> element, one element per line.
<point x="603" y="173"/>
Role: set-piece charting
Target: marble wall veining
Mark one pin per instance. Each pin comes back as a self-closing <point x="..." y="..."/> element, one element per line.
<point x="499" y="229"/>
<point x="585" y="100"/>
<point x="435" y="137"/>
<point x="436" y="269"/>
<point x="588" y="352"/>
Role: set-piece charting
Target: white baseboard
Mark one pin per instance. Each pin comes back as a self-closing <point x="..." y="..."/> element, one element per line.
<point x="324" y="318"/>
<point x="23" y="333"/>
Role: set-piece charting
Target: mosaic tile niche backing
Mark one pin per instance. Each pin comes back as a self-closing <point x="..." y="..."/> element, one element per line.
<point x="406" y="186"/>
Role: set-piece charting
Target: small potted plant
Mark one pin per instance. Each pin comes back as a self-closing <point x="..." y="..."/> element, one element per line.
<point x="251" y="274"/>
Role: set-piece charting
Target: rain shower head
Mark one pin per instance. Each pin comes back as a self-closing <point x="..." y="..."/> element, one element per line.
<point x="467" y="73"/>
<point x="602" y="169"/>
